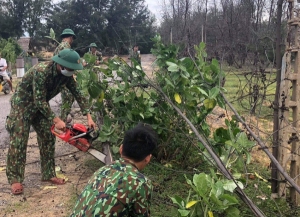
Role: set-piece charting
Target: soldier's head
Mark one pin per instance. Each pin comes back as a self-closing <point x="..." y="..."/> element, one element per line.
<point x="93" y="47"/>
<point x="67" y="61"/>
<point x="139" y="144"/>
<point x="135" y="48"/>
<point x="68" y="35"/>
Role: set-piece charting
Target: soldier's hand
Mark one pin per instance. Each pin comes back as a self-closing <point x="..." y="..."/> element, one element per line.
<point x="91" y="123"/>
<point x="59" y="124"/>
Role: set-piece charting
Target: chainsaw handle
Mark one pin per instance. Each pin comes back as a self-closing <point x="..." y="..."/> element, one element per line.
<point x="63" y="135"/>
<point x="53" y="131"/>
<point x="90" y="130"/>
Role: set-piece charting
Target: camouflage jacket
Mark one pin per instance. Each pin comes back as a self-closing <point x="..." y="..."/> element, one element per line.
<point x="118" y="189"/>
<point x="61" y="46"/>
<point x="135" y="55"/>
<point x="40" y="84"/>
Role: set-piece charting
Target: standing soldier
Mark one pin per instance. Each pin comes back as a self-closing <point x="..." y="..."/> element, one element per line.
<point x="135" y="54"/>
<point x="30" y="106"/>
<point x="67" y="38"/>
<point x="96" y="53"/>
<point x="67" y="98"/>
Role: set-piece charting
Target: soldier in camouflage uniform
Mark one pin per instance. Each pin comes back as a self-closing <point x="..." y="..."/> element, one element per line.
<point x="30" y="106"/>
<point x="120" y="189"/>
<point x="67" y="38"/>
<point x="96" y="53"/>
<point x="136" y="54"/>
<point x="67" y="98"/>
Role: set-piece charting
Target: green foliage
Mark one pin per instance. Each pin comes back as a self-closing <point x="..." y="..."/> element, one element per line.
<point x="208" y="196"/>
<point x="9" y="49"/>
<point x="52" y="35"/>
<point x="192" y="84"/>
<point x="111" y="23"/>
<point x="18" y="17"/>
<point x="126" y="96"/>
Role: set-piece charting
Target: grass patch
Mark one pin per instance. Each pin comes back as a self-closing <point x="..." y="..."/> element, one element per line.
<point x="17" y="208"/>
<point x="240" y="87"/>
<point x="71" y="201"/>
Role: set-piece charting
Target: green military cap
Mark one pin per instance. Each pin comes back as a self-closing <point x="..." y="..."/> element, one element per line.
<point x="93" y="45"/>
<point x="68" y="58"/>
<point x="68" y="32"/>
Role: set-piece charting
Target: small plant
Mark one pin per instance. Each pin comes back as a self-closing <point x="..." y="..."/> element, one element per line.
<point x="208" y="197"/>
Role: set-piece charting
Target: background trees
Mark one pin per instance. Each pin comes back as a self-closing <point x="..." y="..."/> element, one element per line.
<point x="115" y="25"/>
<point x="237" y="31"/>
<point x="234" y="30"/>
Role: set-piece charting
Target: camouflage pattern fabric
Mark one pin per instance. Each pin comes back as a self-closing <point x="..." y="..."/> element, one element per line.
<point x="61" y="46"/>
<point x="135" y="55"/>
<point x="66" y="97"/>
<point x="98" y="54"/>
<point x="118" y="189"/>
<point x="30" y="106"/>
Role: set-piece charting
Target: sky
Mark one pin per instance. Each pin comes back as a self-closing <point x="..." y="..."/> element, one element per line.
<point x="155" y="7"/>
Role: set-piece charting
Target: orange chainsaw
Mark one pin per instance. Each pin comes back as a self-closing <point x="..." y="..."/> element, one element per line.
<point x="80" y="137"/>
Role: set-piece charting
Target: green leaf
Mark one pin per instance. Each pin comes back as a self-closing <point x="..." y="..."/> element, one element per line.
<point x="229" y="185"/>
<point x="248" y="155"/>
<point x="108" y="133"/>
<point x="129" y="116"/>
<point x="94" y="90"/>
<point x="119" y="99"/>
<point x="229" y="200"/>
<point x="184" y="212"/>
<point x="115" y="149"/>
<point x="93" y="76"/>
<point x="201" y="183"/>
<point x="171" y="63"/>
<point x="178" y="200"/>
<point x="173" y="68"/>
<point x="187" y="63"/>
<point x="169" y="82"/>
<point x="214" y="92"/>
<point x="209" y="103"/>
<point x="217" y="189"/>
<point x="52" y="33"/>
<point x="202" y="45"/>
<point x="232" y="212"/>
<point x="217" y="203"/>
<point x="142" y="115"/>
<point x="243" y="140"/>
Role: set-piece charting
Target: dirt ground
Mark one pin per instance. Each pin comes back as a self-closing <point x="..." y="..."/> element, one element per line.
<point x="43" y="198"/>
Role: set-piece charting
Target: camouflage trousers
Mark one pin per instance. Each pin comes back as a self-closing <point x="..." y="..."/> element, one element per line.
<point x="67" y="99"/>
<point x="18" y="125"/>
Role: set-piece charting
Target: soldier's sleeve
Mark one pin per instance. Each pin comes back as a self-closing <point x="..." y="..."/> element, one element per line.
<point x="142" y="203"/>
<point x="61" y="46"/>
<point x="40" y="94"/>
<point x="80" y="98"/>
<point x="99" y="55"/>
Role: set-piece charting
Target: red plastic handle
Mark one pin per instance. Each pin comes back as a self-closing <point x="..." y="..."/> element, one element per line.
<point x="64" y="136"/>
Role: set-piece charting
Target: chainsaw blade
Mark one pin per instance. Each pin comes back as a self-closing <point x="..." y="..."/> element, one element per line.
<point x="97" y="154"/>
